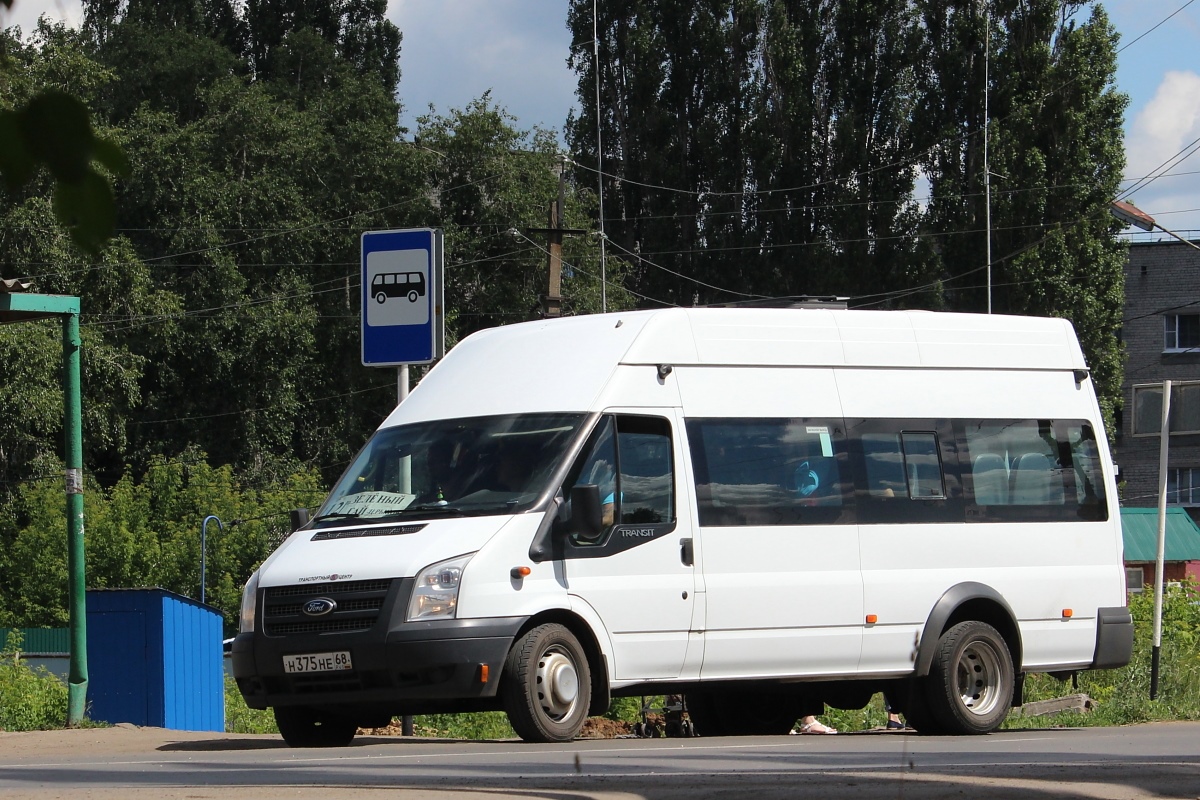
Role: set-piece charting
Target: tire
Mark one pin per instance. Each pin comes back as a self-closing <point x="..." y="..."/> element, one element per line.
<point x="916" y="714"/>
<point x="380" y="298"/>
<point x="546" y="685"/>
<point x="412" y="296"/>
<point x="970" y="685"/>
<point x="306" y="727"/>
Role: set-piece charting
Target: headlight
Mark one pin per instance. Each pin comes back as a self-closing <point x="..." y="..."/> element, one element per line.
<point x="249" y="595"/>
<point x="435" y="595"/>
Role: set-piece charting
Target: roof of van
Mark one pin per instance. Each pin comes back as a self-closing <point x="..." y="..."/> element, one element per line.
<point x="563" y="364"/>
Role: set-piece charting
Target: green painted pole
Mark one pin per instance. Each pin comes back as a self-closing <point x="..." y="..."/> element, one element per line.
<point x="73" y="453"/>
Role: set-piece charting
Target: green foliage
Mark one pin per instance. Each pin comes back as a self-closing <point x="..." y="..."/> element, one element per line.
<point x="30" y="700"/>
<point x="625" y="709"/>
<point x="146" y="532"/>
<point x="1123" y="695"/>
<point x="239" y="718"/>
<point x="49" y="128"/>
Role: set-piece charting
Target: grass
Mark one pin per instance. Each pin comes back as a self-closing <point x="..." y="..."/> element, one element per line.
<point x="1123" y="695"/>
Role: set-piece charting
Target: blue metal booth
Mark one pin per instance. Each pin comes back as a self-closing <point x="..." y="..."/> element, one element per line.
<point x="155" y="660"/>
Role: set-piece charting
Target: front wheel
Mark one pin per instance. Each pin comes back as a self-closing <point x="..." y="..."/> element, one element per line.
<point x="307" y="727"/>
<point x="380" y="297"/>
<point x="546" y="685"/>
<point x="971" y="682"/>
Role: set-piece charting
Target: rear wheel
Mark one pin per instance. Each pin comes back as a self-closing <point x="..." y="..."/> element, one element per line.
<point x="970" y="685"/>
<point x="546" y="685"/>
<point x="307" y="727"/>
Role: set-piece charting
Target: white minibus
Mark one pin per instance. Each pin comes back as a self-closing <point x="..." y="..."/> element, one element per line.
<point x="764" y="510"/>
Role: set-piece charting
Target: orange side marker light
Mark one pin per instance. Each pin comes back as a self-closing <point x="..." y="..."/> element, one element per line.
<point x="872" y="619"/>
<point x="519" y="572"/>
<point x="1067" y="613"/>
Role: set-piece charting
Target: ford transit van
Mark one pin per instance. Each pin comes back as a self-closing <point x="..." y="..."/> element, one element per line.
<point x="765" y="510"/>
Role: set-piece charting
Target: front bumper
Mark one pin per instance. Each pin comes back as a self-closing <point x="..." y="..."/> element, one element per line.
<point x="399" y="666"/>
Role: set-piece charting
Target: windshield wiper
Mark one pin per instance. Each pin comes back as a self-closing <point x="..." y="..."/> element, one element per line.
<point x="429" y="508"/>
<point x="337" y="515"/>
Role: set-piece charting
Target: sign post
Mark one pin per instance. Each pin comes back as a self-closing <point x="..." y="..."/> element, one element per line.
<point x="402" y="298"/>
<point x="403" y="317"/>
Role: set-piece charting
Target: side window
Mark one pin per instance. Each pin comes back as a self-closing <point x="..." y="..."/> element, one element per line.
<point x="646" y="482"/>
<point x="598" y="466"/>
<point x="769" y="471"/>
<point x="630" y="460"/>
<point x="1089" y="480"/>
<point x="923" y="466"/>
<point x="1015" y="463"/>
<point x="904" y="464"/>
<point x="884" y="461"/>
<point x="908" y="470"/>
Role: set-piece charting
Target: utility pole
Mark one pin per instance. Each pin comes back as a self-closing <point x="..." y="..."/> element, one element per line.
<point x="552" y="300"/>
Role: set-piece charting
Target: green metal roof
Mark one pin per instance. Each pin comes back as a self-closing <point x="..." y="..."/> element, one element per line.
<point x="1139" y="529"/>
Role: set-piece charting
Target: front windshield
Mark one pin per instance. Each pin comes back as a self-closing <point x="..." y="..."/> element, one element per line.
<point x="473" y="466"/>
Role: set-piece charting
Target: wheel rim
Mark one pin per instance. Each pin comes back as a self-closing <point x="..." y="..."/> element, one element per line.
<point x="979" y="675"/>
<point x="557" y="683"/>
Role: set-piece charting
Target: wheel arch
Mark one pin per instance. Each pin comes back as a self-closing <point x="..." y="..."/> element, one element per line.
<point x="963" y="602"/>
<point x="601" y="697"/>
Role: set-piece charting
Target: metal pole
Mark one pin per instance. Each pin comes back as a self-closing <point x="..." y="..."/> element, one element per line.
<point x="204" y="547"/>
<point x="406" y="722"/>
<point x="1164" y="437"/>
<point x="405" y="465"/>
<point x="987" y="168"/>
<point x="599" y="156"/>
<point x="77" y="582"/>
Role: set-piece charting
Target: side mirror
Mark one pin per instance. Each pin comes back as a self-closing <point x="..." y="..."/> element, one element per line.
<point x="587" y="519"/>
<point x="299" y="518"/>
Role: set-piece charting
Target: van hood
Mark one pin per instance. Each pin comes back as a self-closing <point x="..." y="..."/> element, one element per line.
<point x="381" y="550"/>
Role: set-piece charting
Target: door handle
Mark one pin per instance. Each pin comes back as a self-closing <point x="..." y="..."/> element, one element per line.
<point x="686" y="555"/>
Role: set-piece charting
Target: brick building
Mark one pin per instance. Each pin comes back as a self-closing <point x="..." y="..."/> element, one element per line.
<point x="1161" y="333"/>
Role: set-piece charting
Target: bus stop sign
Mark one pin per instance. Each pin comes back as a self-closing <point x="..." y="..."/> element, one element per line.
<point x="402" y="320"/>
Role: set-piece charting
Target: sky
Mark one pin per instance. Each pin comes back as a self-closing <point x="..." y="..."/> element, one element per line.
<point x="456" y="50"/>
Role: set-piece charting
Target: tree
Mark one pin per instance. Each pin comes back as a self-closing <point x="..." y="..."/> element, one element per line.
<point x="766" y="148"/>
<point x="49" y="128"/>
<point x="1056" y="153"/>
<point x="764" y="142"/>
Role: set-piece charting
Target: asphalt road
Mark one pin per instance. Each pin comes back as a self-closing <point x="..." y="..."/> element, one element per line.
<point x="1146" y="761"/>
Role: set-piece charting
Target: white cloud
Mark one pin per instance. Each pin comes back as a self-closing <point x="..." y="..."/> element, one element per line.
<point x="1166" y="124"/>
<point x="1160" y="132"/>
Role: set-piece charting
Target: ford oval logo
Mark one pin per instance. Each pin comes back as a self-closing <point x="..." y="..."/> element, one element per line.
<point x="319" y="606"/>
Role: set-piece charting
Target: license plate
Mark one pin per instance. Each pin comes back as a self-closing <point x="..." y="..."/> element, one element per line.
<point x="317" y="662"/>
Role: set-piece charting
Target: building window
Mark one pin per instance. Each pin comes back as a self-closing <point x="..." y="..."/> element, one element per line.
<point x="1183" y="486"/>
<point x="1185" y="408"/>
<point x="1181" y="333"/>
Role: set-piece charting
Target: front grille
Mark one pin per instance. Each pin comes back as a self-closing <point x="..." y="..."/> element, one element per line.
<point x="324" y="626"/>
<point x="326" y="589"/>
<point x="359" y="604"/>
